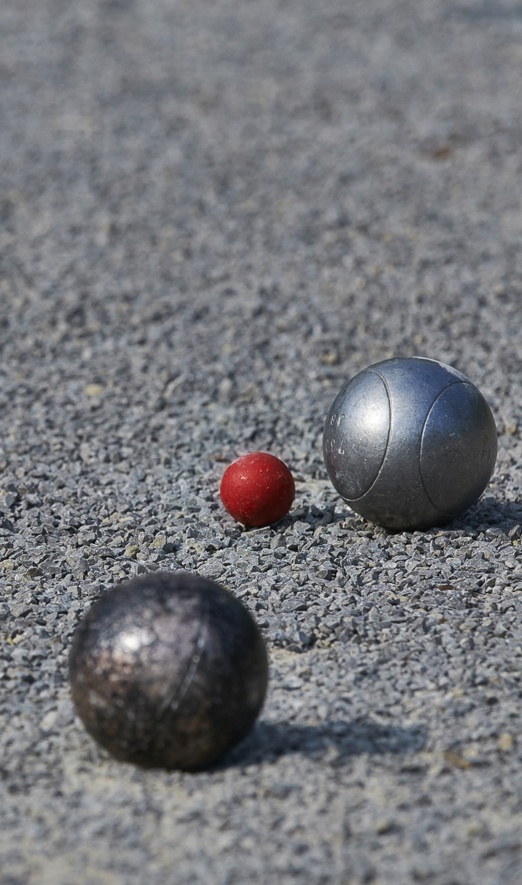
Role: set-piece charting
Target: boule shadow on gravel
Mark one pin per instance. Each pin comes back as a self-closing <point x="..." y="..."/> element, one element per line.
<point x="168" y="671"/>
<point x="270" y="740"/>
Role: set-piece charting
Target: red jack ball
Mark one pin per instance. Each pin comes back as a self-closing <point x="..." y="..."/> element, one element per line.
<point x="257" y="489"/>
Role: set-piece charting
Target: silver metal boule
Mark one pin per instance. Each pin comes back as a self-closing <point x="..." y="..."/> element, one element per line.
<point x="410" y="443"/>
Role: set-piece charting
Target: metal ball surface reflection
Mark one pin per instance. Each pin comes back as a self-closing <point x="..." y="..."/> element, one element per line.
<point x="169" y="671"/>
<point x="410" y="443"/>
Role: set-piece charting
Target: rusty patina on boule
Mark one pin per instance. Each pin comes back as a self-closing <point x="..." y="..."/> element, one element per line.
<point x="168" y="671"/>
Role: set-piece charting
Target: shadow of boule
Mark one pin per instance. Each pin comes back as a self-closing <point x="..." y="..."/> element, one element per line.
<point x="336" y="740"/>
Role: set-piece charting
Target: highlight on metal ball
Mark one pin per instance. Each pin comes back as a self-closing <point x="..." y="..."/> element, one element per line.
<point x="169" y="670"/>
<point x="410" y="443"/>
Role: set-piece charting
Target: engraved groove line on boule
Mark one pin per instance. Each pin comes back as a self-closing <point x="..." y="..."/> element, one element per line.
<point x="381" y="465"/>
<point x="430" y="410"/>
<point x="175" y="697"/>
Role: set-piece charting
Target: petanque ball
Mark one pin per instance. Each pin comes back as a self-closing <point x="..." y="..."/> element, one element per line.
<point x="168" y="671"/>
<point x="410" y="443"/>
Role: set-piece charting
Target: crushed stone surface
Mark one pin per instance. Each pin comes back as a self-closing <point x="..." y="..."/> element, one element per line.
<point x="212" y="214"/>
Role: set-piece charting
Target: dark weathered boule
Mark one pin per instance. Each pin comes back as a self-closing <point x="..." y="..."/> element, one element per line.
<point x="168" y="671"/>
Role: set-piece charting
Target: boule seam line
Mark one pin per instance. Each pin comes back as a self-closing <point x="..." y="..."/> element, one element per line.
<point x="177" y="696"/>
<point x="435" y="401"/>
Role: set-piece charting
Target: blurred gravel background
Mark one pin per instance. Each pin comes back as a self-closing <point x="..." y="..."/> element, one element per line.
<point x="211" y="215"/>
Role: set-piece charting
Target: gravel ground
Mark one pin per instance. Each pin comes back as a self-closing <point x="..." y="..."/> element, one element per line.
<point x="211" y="215"/>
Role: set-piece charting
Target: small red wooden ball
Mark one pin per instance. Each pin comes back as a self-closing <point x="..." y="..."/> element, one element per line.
<point x="257" y="489"/>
